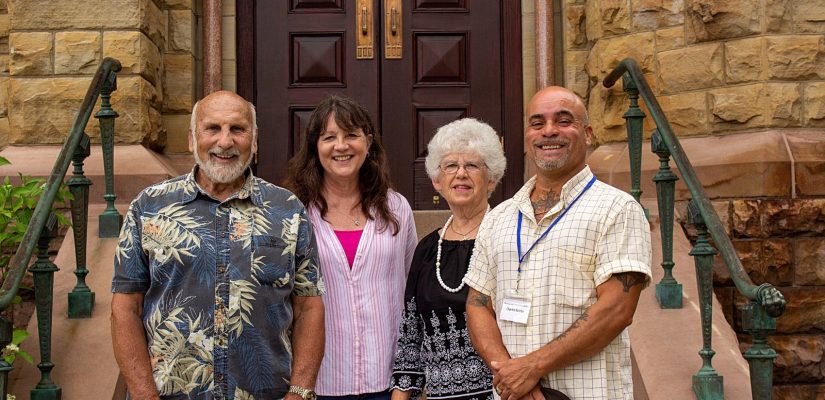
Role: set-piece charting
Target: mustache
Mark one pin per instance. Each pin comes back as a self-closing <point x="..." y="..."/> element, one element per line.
<point x="225" y="153"/>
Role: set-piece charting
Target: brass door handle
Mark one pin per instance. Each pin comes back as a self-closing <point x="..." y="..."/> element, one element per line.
<point x="393" y="29"/>
<point x="364" y="41"/>
<point x="364" y="28"/>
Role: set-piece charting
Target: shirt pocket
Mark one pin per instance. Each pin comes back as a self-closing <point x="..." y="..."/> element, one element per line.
<point x="272" y="261"/>
<point x="572" y="279"/>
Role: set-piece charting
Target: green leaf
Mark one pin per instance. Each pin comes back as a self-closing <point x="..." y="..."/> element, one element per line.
<point x="18" y="336"/>
<point x="25" y="356"/>
<point x="4" y="161"/>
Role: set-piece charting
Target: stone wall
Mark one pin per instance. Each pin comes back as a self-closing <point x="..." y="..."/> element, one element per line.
<point x="55" y="46"/>
<point x="716" y="66"/>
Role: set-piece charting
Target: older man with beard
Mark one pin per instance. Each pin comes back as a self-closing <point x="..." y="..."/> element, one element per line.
<point x="216" y="283"/>
<point x="558" y="269"/>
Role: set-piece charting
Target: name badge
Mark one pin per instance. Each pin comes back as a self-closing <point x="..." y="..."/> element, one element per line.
<point x="515" y="310"/>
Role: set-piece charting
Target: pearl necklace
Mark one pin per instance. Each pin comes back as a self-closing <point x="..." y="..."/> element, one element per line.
<point x="438" y="256"/>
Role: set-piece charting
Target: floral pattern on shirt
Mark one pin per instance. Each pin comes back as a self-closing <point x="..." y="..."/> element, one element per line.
<point x="218" y="279"/>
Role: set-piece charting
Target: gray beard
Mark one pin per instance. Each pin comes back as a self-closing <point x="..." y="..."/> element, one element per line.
<point x="552" y="165"/>
<point x="224" y="174"/>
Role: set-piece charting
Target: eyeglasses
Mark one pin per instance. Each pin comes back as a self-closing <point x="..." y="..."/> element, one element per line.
<point x="452" y="168"/>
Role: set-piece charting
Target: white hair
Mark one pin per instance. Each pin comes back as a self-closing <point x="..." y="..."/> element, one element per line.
<point x="193" y="120"/>
<point x="467" y="135"/>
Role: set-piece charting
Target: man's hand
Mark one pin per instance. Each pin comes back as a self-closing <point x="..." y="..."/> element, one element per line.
<point x="515" y="378"/>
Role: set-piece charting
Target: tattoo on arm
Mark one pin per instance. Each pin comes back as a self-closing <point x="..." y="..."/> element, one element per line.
<point x="576" y="324"/>
<point x="630" y="279"/>
<point x="479" y="300"/>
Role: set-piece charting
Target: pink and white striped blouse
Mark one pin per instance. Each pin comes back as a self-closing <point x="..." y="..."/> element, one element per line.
<point x="363" y="304"/>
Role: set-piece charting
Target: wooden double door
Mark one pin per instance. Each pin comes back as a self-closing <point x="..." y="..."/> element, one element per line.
<point x="415" y="64"/>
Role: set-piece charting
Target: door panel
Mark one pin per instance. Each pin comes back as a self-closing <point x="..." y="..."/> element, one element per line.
<point x="455" y="62"/>
<point x="305" y="50"/>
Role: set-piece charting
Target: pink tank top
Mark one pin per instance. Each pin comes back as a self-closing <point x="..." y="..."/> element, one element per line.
<point x="349" y="241"/>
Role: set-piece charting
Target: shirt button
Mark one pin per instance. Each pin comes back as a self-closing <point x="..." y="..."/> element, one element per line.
<point x="221" y="269"/>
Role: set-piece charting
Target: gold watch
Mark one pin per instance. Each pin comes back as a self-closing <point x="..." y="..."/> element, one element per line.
<point x="306" y="394"/>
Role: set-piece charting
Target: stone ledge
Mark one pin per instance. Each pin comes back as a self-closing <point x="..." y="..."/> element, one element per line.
<point x="788" y="163"/>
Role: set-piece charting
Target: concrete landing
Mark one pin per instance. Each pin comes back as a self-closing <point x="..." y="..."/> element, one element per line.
<point x="82" y="352"/>
<point x="665" y="343"/>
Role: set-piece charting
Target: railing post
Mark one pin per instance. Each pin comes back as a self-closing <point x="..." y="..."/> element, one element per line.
<point x="635" y="122"/>
<point x="760" y="355"/>
<point x="6" y="329"/>
<point x="707" y="384"/>
<point x="43" y="271"/>
<point x="668" y="291"/>
<point x="110" y="220"/>
<point x="82" y="298"/>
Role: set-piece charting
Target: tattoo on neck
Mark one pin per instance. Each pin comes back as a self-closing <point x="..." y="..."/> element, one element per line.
<point x="544" y="202"/>
<point x="479" y="300"/>
<point x="630" y="279"/>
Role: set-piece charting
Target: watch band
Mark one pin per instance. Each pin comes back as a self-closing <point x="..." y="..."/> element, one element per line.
<point x="306" y="394"/>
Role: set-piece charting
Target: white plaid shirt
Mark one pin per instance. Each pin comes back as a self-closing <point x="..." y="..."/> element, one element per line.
<point x="605" y="232"/>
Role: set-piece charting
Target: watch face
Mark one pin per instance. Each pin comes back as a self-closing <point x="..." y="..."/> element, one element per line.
<point x="310" y="396"/>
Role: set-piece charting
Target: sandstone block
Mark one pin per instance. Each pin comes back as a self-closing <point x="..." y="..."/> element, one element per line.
<point x="804" y="312"/>
<point x="4" y="25"/>
<point x="779" y="16"/>
<point x="687" y="112"/>
<point x="4" y="98"/>
<point x="177" y="132"/>
<point x="795" y="392"/>
<point x="155" y="137"/>
<point x="810" y="259"/>
<point x="576" y="27"/>
<point x="709" y="20"/>
<point x="606" y="107"/>
<point x="181" y="28"/>
<point x="796" y="57"/>
<point x="690" y="68"/>
<point x="137" y="54"/>
<point x="809" y="16"/>
<point x="784" y="104"/>
<point x="4" y="132"/>
<point x="74" y="15"/>
<point x="793" y="217"/>
<point x="615" y="16"/>
<point x="179" y="4"/>
<point x="30" y="53"/>
<point x="808" y="150"/>
<point x="32" y="98"/>
<point x="725" y="297"/>
<point x="776" y="264"/>
<point x="575" y="74"/>
<point x="670" y="38"/>
<point x="743" y="60"/>
<point x="737" y="107"/>
<point x="153" y="22"/>
<point x="653" y="14"/>
<point x="800" y="358"/>
<point x="179" y="88"/>
<point x="814" y="104"/>
<point x="746" y="218"/>
<point x="606" y="53"/>
<point x="593" y="26"/>
<point x="76" y="52"/>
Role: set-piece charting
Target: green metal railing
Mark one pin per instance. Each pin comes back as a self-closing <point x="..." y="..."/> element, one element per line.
<point x="43" y="228"/>
<point x="765" y="304"/>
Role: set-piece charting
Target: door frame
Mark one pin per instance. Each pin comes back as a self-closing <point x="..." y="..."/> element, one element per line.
<point x="511" y="65"/>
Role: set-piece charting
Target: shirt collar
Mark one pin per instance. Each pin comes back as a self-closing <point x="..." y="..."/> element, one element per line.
<point x="250" y="190"/>
<point x="569" y="191"/>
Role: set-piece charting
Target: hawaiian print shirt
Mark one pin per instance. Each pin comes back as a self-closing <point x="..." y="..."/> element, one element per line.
<point x="218" y="279"/>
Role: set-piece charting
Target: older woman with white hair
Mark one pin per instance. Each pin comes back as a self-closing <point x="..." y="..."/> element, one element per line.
<point x="465" y="162"/>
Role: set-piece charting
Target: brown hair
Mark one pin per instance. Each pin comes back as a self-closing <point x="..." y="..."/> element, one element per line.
<point x="305" y="175"/>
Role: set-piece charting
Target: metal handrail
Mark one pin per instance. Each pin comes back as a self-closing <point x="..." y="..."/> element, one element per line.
<point x="628" y="68"/>
<point x="19" y="262"/>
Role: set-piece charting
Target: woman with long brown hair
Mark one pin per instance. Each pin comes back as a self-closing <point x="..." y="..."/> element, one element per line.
<point x="366" y="238"/>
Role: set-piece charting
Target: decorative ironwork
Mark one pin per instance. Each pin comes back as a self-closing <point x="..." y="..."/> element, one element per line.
<point x="766" y="300"/>
<point x="81" y="299"/>
<point x="668" y="290"/>
<point x="707" y="384"/>
<point x="5" y="338"/>
<point x="110" y="220"/>
<point x="43" y="271"/>
<point x="635" y="118"/>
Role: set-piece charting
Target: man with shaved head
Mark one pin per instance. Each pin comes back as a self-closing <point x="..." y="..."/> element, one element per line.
<point x="217" y="285"/>
<point x="558" y="269"/>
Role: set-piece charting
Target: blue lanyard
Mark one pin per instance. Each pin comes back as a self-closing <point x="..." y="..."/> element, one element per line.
<point x="556" y="221"/>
